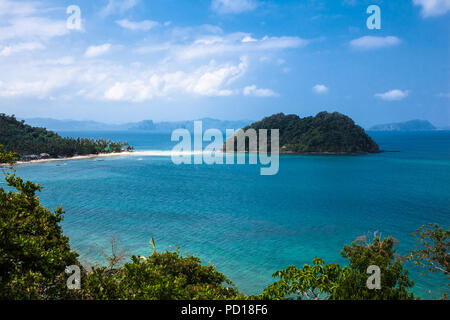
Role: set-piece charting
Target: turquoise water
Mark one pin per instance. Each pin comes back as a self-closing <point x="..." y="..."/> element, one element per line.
<point x="246" y="224"/>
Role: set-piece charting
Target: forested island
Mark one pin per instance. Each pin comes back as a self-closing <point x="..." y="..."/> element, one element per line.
<point x="32" y="143"/>
<point x="326" y="133"/>
<point x="413" y="125"/>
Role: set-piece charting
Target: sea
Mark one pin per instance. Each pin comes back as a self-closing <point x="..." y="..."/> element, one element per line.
<point x="246" y="224"/>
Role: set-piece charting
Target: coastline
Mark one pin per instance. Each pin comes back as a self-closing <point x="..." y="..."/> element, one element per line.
<point x="323" y="153"/>
<point x="89" y="156"/>
<point x="338" y="153"/>
<point x="156" y="153"/>
<point x="168" y="153"/>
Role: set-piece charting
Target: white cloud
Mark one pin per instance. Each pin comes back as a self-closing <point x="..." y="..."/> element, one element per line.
<point x="233" y="6"/>
<point x="433" y="8"/>
<point x="57" y="77"/>
<point x="21" y="21"/>
<point x="393" y="95"/>
<point x="21" y="47"/>
<point x="32" y="28"/>
<point x="215" y="60"/>
<point x="16" y="8"/>
<point x="38" y="89"/>
<point x="443" y="95"/>
<point x="216" y="45"/>
<point x="211" y="80"/>
<point x="373" y="42"/>
<point x="320" y="89"/>
<point x="28" y="81"/>
<point x="144" y="25"/>
<point x="118" y="6"/>
<point x="103" y="80"/>
<point x="154" y="48"/>
<point x="65" y="61"/>
<point x="235" y="43"/>
<point x="248" y="39"/>
<point x="258" y="92"/>
<point x="95" y="51"/>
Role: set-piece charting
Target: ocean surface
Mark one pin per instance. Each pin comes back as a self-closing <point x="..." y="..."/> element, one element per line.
<point x="246" y="224"/>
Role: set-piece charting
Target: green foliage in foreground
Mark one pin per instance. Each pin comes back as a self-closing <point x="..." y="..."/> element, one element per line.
<point x="33" y="250"/>
<point x="34" y="254"/>
<point x="23" y="139"/>
<point x="330" y="281"/>
<point x="432" y="250"/>
<point x="316" y="281"/>
<point x="161" y="276"/>
<point x="395" y="281"/>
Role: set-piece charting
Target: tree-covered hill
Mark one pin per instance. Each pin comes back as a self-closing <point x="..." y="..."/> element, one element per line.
<point x="324" y="133"/>
<point x="25" y="140"/>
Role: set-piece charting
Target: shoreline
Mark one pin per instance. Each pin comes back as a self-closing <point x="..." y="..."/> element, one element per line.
<point x="155" y="153"/>
<point x="168" y="153"/>
<point x="338" y="153"/>
<point x="322" y="153"/>
<point x="89" y="156"/>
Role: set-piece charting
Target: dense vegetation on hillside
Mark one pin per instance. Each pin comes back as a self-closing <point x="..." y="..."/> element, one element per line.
<point x="34" y="255"/>
<point x="331" y="281"/>
<point x="25" y="140"/>
<point x="324" y="133"/>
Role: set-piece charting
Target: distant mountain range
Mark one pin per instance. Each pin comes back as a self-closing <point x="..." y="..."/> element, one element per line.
<point x="146" y="125"/>
<point x="208" y="123"/>
<point x="413" y="125"/>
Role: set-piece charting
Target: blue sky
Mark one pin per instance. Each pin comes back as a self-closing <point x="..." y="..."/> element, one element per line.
<point x="229" y="59"/>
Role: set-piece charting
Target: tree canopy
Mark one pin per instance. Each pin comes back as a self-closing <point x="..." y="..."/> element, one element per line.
<point x="23" y="139"/>
<point x="33" y="250"/>
<point x="331" y="281"/>
<point x="324" y="133"/>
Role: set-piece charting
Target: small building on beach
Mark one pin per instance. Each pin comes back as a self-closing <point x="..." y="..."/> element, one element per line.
<point x="29" y="157"/>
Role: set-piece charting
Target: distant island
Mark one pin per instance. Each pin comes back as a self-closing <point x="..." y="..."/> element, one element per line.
<point x="32" y="143"/>
<point x="145" y="125"/>
<point x="413" y="125"/>
<point x="326" y="133"/>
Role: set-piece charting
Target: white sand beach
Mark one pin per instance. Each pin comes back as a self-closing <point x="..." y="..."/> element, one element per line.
<point x="154" y="153"/>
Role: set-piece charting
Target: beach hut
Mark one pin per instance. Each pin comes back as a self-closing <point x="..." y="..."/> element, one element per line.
<point x="29" y="157"/>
